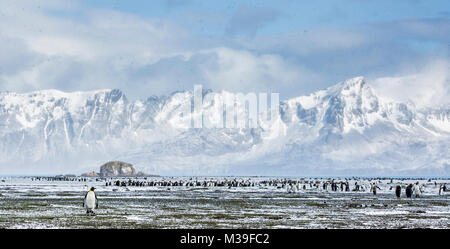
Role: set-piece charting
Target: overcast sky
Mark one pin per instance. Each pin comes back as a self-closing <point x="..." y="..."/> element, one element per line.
<point x="292" y="47"/>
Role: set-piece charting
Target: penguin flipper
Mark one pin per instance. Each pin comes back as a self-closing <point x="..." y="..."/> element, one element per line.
<point x="84" y="201"/>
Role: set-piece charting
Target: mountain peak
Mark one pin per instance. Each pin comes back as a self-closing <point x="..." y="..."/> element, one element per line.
<point x="353" y="83"/>
<point x="356" y="81"/>
<point x="356" y="86"/>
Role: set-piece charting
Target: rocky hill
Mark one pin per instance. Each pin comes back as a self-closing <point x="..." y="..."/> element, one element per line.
<point x="117" y="169"/>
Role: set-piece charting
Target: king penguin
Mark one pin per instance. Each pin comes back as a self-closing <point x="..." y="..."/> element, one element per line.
<point x="90" y="201"/>
<point x="417" y="190"/>
<point x="409" y="190"/>
<point x="398" y="190"/>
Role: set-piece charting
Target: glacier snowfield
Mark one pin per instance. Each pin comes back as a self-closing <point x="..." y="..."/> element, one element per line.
<point x="346" y="129"/>
<point x="25" y="203"/>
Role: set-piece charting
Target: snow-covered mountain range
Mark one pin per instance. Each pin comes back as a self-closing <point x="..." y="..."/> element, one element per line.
<point x="343" y="130"/>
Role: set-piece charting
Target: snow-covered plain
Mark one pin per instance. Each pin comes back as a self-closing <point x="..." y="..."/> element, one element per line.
<point x="27" y="203"/>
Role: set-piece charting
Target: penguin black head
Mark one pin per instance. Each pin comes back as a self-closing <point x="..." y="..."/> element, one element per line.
<point x="92" y="189"/>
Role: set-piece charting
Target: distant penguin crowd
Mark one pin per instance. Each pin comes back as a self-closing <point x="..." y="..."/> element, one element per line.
<point x="292" y="186"/>
<point x="411" y="190"/>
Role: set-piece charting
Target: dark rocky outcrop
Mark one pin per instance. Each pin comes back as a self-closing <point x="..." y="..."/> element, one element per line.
<point x="117" y="169"/>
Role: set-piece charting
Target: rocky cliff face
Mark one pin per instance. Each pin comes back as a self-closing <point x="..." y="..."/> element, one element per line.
<point x="117" y="169"/>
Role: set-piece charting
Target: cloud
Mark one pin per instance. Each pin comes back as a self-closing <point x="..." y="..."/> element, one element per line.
<point x="444" y="13"/>
<point x="45" y="51"/>
<point x="71" y="47"/>
<point x="173" y="4"/>
<point x="248" y="20"/>
<point x="143" y="57"/>
<point x="240" y="70"/>
<point x="430" y="87"/>
<point x="436" y="29"/>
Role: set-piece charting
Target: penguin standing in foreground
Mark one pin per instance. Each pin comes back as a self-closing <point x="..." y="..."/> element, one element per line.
<point x="90" y="201"/>
<point x="409" y="190"/>
<point x="398" y="190"/>
<point x="417" y="190"/>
